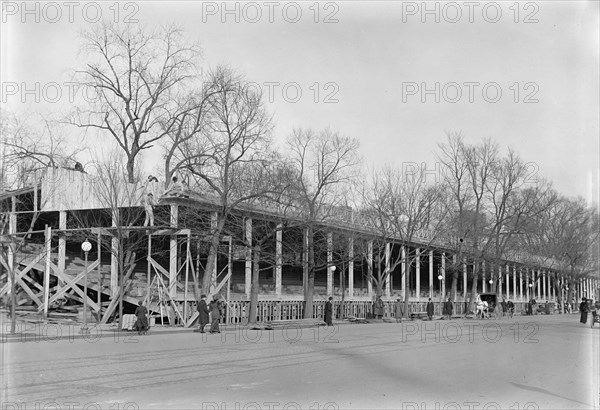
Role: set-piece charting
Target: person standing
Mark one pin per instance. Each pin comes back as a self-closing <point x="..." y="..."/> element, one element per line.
<point x="511" y="308"/>
<point x="399" y="310"/>
<point x="583" y="311"/>
<point x="448" y="309"/>
<point x="329" y="312"/>
<point x="379" y="306"/>
<point x="149" y="203"/>
<point x="141" y="324"/>
<point x="215" y="313"/>
<point x="203" y="313"/>
<point x="430" y="309"/>
<point x="504" y="306"/>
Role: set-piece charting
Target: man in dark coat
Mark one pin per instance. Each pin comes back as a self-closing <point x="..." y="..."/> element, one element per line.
<point x="448" y="309"/>
<point x="203" y="313"/>
<point x="141" y="324"/>
<point x="583" y="309"/>
<point x="430" y="309"/>
<point x="329" y="312"/>
<point x="215" y="313"/>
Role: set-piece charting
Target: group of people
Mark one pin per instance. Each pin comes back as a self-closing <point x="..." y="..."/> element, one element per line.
<point x="151" y="193"/>
<point x="210" y="313"/>
<point x="378" y="309"/>
<point x="586" y="306"/>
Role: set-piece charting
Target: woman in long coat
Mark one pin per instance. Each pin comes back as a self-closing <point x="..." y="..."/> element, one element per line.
<point x="399" y="309"/>
<point x="215" y="313"/>
<point x="141" y="324"/>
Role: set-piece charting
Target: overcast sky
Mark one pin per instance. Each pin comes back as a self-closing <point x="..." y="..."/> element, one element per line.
<point x="523" y="74"/>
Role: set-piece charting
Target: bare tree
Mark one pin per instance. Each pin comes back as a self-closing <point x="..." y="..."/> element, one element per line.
<point x="26" y="150"/>
<point x="119" y="209"/>
<point x="324" y="163"/>
<point x="136" y="75"/>
<point x="229" y="160"/>
<point x="401" y="209"/>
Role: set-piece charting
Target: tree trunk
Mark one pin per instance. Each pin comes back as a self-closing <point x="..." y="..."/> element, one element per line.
<point x="253" y="312"/>
<point x="310" y="288"/>
<point x="131" y="169"/>
<point x="211" y="262"/>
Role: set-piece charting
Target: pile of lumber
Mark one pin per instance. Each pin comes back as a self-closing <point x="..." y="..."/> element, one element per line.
<point x="289" y="324"/>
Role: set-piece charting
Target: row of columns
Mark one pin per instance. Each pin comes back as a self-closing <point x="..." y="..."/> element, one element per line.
<point x="534" y="283"/>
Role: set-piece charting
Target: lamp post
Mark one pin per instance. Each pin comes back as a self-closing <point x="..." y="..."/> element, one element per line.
<point x="86" y="246"/>
<point x="440" y="278"/>
<point x="491" y="282"/>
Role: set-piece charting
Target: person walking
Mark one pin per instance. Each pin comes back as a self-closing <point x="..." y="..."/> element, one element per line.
<point x="399" y="310"/>
<point x="379" y="306"/>
<point x="430" y="309"/>
<point x="141" y="324"/>
<point x="583" y="310"/>
<point x="215" y="313"/>
<point x="329" y="312"/>
<point x="203" y="311"/>
<point x="448" y="309"/>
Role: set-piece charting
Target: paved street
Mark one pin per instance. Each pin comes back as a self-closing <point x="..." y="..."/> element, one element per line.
<point x="522" y="363"/>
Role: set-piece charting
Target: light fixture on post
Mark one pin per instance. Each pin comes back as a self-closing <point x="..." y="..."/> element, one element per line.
<point x="86" y="246"/>
<point x="440" y="278"/>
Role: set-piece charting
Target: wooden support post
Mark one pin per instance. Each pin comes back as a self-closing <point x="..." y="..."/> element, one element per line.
<point x="248" y="268"/>
<point x="351" y="267"/>
<point x="418" y="273"/>
<point x="514" y="283"/>
<point x="465" y="284"/>
<point x="443" y="290"/>
<point x="12" y="229"/>
<point x="329" y="264"/>
<point x="149" y="270"/>
<point x="278" y="259"/>
<point x="403" y="266"/>
<point x="305" y="261"/>
<point x="483" y="281"/>
<point x="114" y="259"/>
<point x="229" y="268"/>
<point x="187" y="273"/>
<point x="48" y="242"/>
<point x="370" y="269"/>
<point x="173" y="254"/>
<point x="520" y="283"/>
<point x="507" y="281"/>
<point x="388" y="276"/>
<point x="99" y="271"/>
<point x="62" y="243"/>
<point x="431" y="274"/>
<point x="545" y="291"/>
<point x="214" y="220"/>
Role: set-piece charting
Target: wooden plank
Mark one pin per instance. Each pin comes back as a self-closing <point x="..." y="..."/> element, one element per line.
<point x="20" y="273"/>
<point x="114" y="302"/>
<point x="71" y="283"/>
